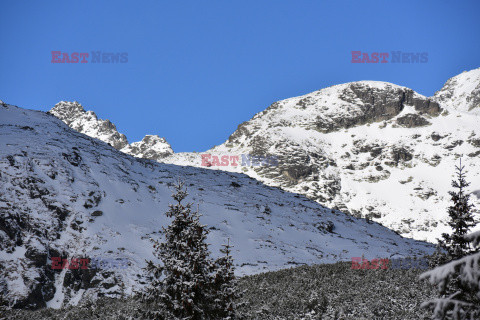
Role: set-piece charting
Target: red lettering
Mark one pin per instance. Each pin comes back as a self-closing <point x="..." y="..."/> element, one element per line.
<point x="84" y="262"/>
<point x="205" y="161"/>
<point x="84" y="55"/>
<point x="64" y="263"/>
<point x="224" y="160"/>
<point x="215" y="161"/>
<point x="55" y="55"/>
<point x="365" y="264"/>
<point x="56" y="263"/>
<point x="65" y="58"/>
<point x="233" y="160"/>
<point x="384" y="263"/>
<point x="355" y="264"/>
<point x="384" y="55"/>
<point x="356" y="56"/>
<point x="75" y="57"/>
<point x="73" y="264"/>
<point x="375" y="57"/>
<point x="365" y="58"/>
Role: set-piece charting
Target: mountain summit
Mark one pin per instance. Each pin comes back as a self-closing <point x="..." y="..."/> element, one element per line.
<point x="369" y="148"/>
<point x="462" y="92"/>
<point x="87" y="122"/>
<point x="66" y="195"/>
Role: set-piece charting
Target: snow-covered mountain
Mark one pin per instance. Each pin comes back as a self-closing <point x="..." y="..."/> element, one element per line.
<point x="151" y="147"/>
<point x="64" y="194"/>
<point x="462" y="92"/>
<point x="87" y="122"/>
<point x="74" y="115"/>
<point x="369" y="148"/>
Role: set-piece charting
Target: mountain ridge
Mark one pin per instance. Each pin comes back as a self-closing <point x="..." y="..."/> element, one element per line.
<point x="64" y="194"/>
<point x="87" y="122"/>
<point x="391" y="138"/>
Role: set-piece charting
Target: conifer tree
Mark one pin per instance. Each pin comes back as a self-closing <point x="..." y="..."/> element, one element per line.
<point x="457" y="273"/>
<point x="181" y="287"/>
<point x="460" y="218"/>
<point x="224" y="283"/>
<point x="463" y="302"/>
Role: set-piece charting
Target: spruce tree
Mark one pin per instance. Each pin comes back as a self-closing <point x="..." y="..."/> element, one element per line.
<point x="225" y="286"/>
<point x="457" y="273"/>
<point x="463" y="302"/>
<point x="181" y="287"/>
<point x="461" y="218"/>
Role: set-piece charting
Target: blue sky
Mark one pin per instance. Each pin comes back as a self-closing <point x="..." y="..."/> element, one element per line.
<point x="197" y="69"/>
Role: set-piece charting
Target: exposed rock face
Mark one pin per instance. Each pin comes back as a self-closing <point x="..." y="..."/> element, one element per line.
<point x="331" y="143"/>
<point x="87" y="122"/>
<point x="372" y="102"/>
<point x="462" y="92"/>
<point x="77" y="197"/>
<point x="68" y="112"/>
<point x="151" y="147"/>
<point x="362" y="147"/>
<point x="475" y="142"/>
<point x="412" y="120"/>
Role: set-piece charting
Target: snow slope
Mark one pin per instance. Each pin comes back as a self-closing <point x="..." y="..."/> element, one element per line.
<point x="73" y="114"/>
<point x="368" y="148"/>
<point x="462" y="92"/>
<point x="65" y="194"/>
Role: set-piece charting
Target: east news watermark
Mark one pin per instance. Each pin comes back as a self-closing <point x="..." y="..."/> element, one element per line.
<point x="89" y="57"/>
<point x="359" y="263"/>
<point x="89" y="263"/>
<point x="244" y="160"/>
<point x="389" y="57"/>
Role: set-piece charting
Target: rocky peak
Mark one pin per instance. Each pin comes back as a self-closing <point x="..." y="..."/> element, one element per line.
<point x="76" y="197"/>
<point x="68" y="111"/>
<point x="461" y="92"/>
<point x="87" y="122"/>
<point x="345" y="145"/>
<point x="151" y="147"/>
<point x="377" y="101"/>
<point x="341" y="107"/>
<point x="369" y="148"/>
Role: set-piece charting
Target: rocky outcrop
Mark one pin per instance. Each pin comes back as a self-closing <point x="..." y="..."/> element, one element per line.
<point x="331" y="142"/>
<point x="461" y="92"/>
<point x="74" y="115"/>
<point x="76" y="197"/>
<point x="373" y="104"/>
<point x="412" y="120"/>
<point x="87" y="122"/>
<point x="426" y="106"/>
<point x="151" y="147"/>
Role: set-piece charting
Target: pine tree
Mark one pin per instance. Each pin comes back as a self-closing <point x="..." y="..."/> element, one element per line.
<point x="461" y="218"/>
<point x="464" y="302"/>
<point x="458" y="276"/>
<point x="184" y="292"/>
<point x="225" y="286"/>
